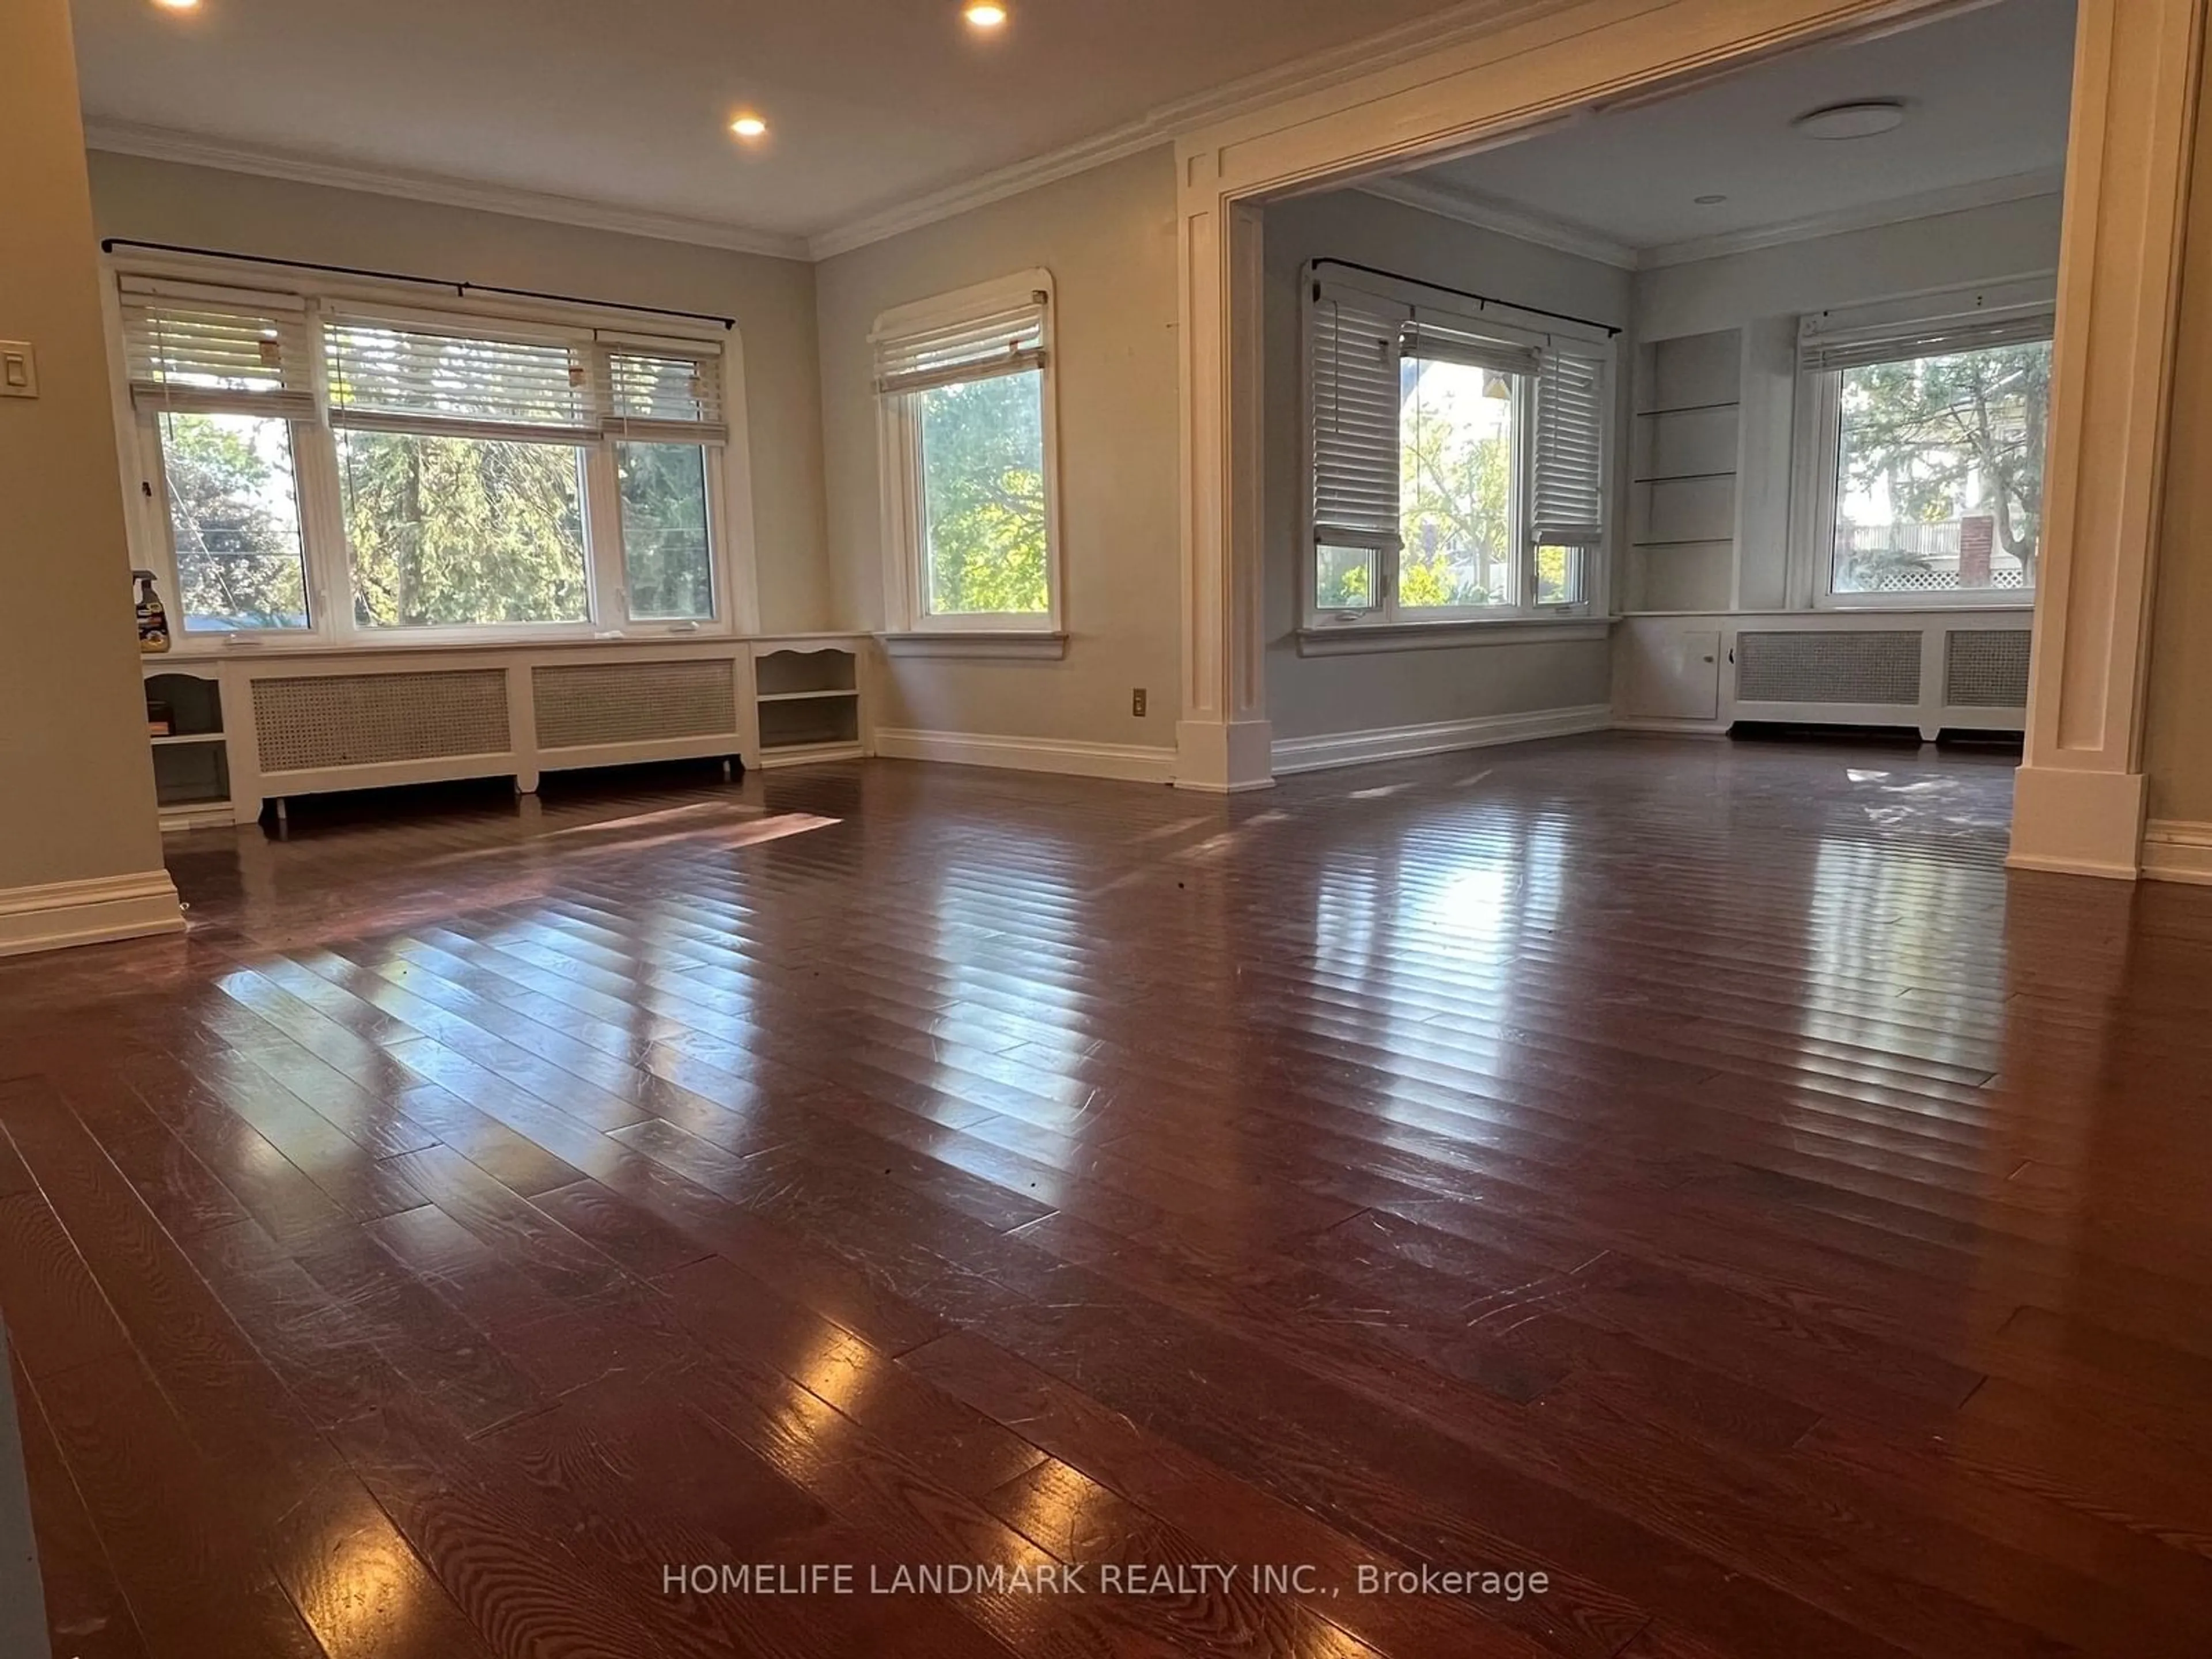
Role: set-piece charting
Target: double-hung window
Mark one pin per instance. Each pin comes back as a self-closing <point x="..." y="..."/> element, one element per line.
<point x="1456" y="463"/>
<point x="353" y="474"/>
<point x="964" y="388"/>
<point x="1922" y="473"/>
<point x="222" y="384"/>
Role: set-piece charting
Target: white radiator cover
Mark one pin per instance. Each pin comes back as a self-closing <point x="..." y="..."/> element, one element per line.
<point x="316" y="721"/>
<point x="583" y="705"/>
<point x="1931" y="670"/>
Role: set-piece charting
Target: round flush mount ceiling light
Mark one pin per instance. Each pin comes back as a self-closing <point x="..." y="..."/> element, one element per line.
<point x="178" y="5"/>
<point x="749" y="126"/>
<point x="985" y="13"/>
<point x="1709" y="201"/>
<point x="1863" y="119"/>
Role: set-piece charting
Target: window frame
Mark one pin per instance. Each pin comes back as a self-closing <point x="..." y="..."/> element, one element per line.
<point x="1389" y="623"/>
<point x="900" y="473"/>
<point x="327" y="555"/>
<point x="1817" y="464"/>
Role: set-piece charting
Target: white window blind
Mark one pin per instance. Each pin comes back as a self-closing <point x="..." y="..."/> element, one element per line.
<point x="1452" y="342"/>
<point x="196" y="350"/>
<point x="1006" y="340"/>
<point x="393" y="376"/>
<point x="1823" y="348"/>
<point x="665" y="394"/>
<point x="1353" y="346"/>
<point x="1567" y="508"/>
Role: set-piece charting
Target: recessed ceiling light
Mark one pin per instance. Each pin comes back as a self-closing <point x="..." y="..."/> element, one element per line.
<point x="985" y="13"/>
<point x="749" y="126"/>
<point x="178" y="5"/>
<point x="1709" y="201"/>
<point x="1863" y="119"/>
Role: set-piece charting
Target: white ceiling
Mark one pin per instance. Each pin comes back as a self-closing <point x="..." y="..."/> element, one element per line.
<point x="871" y="102"/>
<point x="1986" y="93"/>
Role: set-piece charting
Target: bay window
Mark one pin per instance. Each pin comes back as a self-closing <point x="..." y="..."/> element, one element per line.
<point x="347" y="473"/>
<point x="1455" y="462"/>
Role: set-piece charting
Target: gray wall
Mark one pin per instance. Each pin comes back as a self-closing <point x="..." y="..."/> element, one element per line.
<point x="1764" y="291"/>
<point x="772" y="301"/>
<point x="1325" y="696"/>
<point x="1950" y="250"/>
<point x="1108" y="238"/>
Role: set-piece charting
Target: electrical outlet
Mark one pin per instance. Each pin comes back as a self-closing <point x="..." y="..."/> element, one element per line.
<point x="1137" y="701"/>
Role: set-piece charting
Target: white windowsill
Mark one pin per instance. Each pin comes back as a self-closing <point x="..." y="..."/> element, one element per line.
<point x="206" y="657"/>
<point x="1008" y="644"/>
<point x="1356" y="638"/>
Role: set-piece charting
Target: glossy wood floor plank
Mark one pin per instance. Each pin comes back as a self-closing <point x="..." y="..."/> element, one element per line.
<point x="1696" y="1172"/>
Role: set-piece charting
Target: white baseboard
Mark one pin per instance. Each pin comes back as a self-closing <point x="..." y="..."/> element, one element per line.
<point x="1404" y="742"/>
<point x="63" y="913"/>
<point x="2176" y="851"/>
<point x="1131" y="762"/>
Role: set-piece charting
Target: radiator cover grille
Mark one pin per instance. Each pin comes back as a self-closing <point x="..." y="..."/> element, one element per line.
<point x="1985" y="668"/>
<point x="1859" y="667"/>
<point x="586" y="703"/>
<point x="365" y="719"/>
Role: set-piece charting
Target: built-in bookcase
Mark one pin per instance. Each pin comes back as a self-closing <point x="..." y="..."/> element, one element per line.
<point x="809" y="702"/>
<point x="191" y="753"/>
<point x="1684" y="460"/>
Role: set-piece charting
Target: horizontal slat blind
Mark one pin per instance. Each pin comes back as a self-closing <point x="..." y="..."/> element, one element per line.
<point x="405" y="377"/>
<point x="1445" y="342"/>
<point x="1568" y="509"/>
<point x="1823" y="349"/>
<point x="1351" y="374"/>
<point x="665" y="396"/>
<point x="196" y="351"/>
<point x="1005" y="341"/>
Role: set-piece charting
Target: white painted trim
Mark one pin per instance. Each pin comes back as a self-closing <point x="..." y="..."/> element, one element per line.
<point x="1024" y="646"/>
<point x="1486" y="213"/>
<point x="1131" y="762"/>
<point x="65" y="912"/>
<point x="1404" y="742"/>
<point x="2173" y="850"/>
<point x="165" y="144"/>
<point x="1354" y="641"/>
<point x="1406" y="42"/>
<point x="1924" y="204"/>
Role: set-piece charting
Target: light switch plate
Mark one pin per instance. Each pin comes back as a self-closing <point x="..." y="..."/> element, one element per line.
<point x="19" y="369"/>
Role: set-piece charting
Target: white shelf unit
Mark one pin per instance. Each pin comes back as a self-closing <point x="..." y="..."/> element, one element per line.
<point x="192" y="760"/>
<point x="806" y="700"/>
<point x="1684" y="459"/>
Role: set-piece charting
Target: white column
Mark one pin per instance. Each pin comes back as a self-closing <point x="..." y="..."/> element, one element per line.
<point x="2078" y="805"/>
<point x="1223" y="741"/>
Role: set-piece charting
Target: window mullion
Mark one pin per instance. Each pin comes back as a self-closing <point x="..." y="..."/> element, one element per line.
<point x="610" y="579"/>
<point x="322" y="527"/>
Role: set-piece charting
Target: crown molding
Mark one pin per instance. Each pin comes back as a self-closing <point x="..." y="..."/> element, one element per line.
<point x="1925" y="204"/>
<point x="1420" y="38"/>
<point x="1488" y="214"/>
<point x="165" y="144"/>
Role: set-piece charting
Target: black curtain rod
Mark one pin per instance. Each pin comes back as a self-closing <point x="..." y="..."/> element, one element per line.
<point x="1466" y="294"/>
<point x="460" y="288"/>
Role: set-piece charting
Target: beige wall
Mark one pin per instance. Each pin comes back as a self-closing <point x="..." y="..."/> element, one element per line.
<point x="2177" y="743"/>
<point x="1321" y="695"/>
<point x="772" y="301"/>
<point x="1108" y="238"/>
<point x="77" y="782"/>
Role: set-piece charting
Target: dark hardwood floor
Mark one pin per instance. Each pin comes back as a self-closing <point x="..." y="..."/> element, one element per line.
<point x="1694" y="1173"/>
